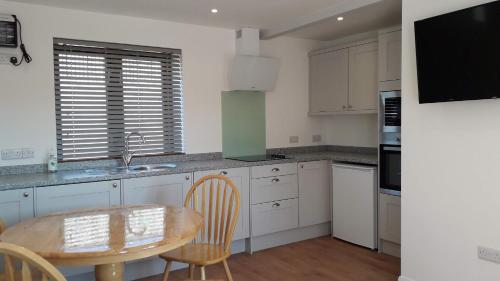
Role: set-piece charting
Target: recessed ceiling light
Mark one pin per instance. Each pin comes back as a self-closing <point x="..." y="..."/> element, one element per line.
<point x="340" y="18"/>
<point x="214" y="11"/>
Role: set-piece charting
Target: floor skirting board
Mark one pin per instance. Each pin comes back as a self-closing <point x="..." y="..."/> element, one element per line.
<point x="403" y="278"/>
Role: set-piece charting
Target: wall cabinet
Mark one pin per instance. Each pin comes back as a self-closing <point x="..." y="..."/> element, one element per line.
<point x="344" y="80"/>
<point x="16" y="205"/>
<point x="241" y="179"/>
<point x="390" y="218"/>
<point x="51" y="199"/>
<point x="162" y="190"/>
<point x="314" y="193"/>
<point x="389" y="45"/>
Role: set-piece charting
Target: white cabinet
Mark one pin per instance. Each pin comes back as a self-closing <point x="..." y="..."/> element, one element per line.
<point x="274" y="188"/>
<point x="241" y="179"/>
<point x="354" y="204"/>
<point x="390" y="218"/>
<point x="314" y="193"/>
<point x="16" y="205"/>
<point x="389" y="56"/>
<point x="162" y="190"/>
<point x="274" y="216"/>
<point x="329" y="86"/>
<point x="50" y="199"/>
<point x="363" y="77"/>
<point x="344" y="79"/>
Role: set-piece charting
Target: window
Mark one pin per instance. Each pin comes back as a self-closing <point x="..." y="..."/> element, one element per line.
<point x="105" y="91"/>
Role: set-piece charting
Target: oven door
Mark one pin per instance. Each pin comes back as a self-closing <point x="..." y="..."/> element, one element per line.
<point x="390" y="169"/>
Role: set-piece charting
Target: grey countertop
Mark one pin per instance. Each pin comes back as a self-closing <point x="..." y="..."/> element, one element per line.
<point x="18" y="181"/>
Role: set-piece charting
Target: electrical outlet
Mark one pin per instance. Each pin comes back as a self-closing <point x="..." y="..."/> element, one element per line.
<point x="316" y="138"/>
<point x="294" y="139"/>
<point x="488" y="254"/>
<point x="12" y="154"/>
<point x="28" y="153"/>
<point x="5" y="58"/>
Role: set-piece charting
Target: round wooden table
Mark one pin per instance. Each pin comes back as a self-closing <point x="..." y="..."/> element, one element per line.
<point x="106" y="238"/>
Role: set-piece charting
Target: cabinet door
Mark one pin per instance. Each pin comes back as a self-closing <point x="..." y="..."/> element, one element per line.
<point x="241" y="179"/>
<point x="328" y="81"/>
<point x="16" y="205"/>
<point x="389" y="56"/>
<point x="274" y="216"/>
<point x="50" y="199"/>
<point x="390" y="218"/>
<point x="163" y="190"/>
<point x="314" y="193"/>
<point x="363" y="77"/>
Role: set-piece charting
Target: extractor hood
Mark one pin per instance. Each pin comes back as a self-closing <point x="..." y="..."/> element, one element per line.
<point x="249" y="71"/>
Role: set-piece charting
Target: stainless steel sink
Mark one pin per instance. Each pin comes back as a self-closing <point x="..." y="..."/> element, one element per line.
<point x="150" y="168"/>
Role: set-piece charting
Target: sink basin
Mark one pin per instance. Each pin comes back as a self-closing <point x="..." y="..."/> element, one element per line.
<point x="149" y="168"/>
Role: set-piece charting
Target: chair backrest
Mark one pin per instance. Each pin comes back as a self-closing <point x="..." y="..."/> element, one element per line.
<point x="217" y="199"/>
<point x="2" y="226"/>
<point x="13" y="253"/>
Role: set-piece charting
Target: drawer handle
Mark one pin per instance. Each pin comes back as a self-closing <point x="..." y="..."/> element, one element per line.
<point x="26" y="194"/>
<point x="275" y="180"/>
<point x="223" y="173"/>
<point x="275" y="170"/>
<point x="275" y="205"/>
<point x="188" y="178"/>
<point x="115" y="185"/>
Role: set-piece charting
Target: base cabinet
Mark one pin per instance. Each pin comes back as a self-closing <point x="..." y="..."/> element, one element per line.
<point x="16" y="205"/>
<point x="390" y="218"/>
<point x="51" y="199"/>
<point x="314" y="193"/>
<point x="274" y="216"/>
<point x="241" y="179"/>
<point x="162" y="190"/>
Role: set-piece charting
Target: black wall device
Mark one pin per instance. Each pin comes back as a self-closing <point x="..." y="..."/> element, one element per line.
<point x="8" y="31"/>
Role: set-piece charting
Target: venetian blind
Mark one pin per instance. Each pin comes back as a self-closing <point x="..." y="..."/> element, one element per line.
<point x="104" y="91"/>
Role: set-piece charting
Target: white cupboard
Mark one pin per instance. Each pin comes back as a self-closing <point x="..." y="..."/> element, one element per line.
<point x="344" y="79"/>
<point x="389" y="67"/>
<point x="274" y="216"/>
<point x="163" y="190"/>
<point x="241" y="179"/>
<point x="51" y="199"/>
<point x="390" y="218"/>
<point x="16" y="205"/>
<point x="314" y="193"/>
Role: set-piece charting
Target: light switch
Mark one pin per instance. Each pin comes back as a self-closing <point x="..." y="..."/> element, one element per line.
<point x="294" y="139"/>
<point x="316" y="138"/>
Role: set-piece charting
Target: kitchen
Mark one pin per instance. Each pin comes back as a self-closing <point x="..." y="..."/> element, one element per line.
<point x="326" y="105"/>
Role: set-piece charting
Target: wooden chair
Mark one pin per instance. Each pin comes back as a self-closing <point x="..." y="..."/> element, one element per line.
<point x="12" y="253"/>
<point x="220" y="214"/>
<point x="2" y="226"/>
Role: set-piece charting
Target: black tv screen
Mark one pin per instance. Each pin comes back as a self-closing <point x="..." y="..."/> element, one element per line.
<point x="458" y="55"/>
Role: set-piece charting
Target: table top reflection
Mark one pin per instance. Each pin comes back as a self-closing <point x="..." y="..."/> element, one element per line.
<point x="101" y="236"/>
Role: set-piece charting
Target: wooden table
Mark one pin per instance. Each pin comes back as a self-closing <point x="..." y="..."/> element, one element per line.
<point x="106" y="238"/>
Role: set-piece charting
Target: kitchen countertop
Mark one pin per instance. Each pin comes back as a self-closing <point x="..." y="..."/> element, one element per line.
<point x="17" y="181"/>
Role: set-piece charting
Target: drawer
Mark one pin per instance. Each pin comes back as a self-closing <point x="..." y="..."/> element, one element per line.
<point x="274" y="188"/>
<point x="274" y="170"/>
<point x="274" y="216"/>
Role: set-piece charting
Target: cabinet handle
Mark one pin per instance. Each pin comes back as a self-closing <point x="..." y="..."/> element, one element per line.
<point x="343" y="107"/>
<point x="276" y="205"/>
<point x="223" y="173"/>
<point x="115" y="185"/>
<point x="349" y="106"/>
<point x="188" y="178"/>
<point x="275" y="170"/>
<point x="26" y="194"/>
<point x="275" y="180"/>
<point x="302" y="166"/>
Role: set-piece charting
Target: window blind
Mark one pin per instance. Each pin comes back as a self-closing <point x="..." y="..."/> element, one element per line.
<point x="104" y="91"/>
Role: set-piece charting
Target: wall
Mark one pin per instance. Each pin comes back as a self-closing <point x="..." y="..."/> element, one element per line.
<point x="450" y="178"/>
<point x="27" y="93"/>
<point x="351" y="130"/>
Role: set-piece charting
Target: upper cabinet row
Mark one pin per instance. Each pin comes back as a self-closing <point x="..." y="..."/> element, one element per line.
<point x="346" y="79"/>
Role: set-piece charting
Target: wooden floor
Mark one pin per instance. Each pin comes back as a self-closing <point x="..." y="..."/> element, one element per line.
<point x="320" y="259"/>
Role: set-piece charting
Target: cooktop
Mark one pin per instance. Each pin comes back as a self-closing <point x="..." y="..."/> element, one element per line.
<point x="257" y="158"/>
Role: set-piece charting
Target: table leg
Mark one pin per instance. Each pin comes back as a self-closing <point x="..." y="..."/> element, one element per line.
<point x="109" y="272"/>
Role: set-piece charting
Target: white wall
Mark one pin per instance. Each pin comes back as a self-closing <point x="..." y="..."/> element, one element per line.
<point x="450" y="178"/>
<point x="27" y="93"/>
<point x="351" y="130"/>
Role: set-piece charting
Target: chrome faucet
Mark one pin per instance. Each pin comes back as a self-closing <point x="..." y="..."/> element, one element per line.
<point x="127" y="154"/>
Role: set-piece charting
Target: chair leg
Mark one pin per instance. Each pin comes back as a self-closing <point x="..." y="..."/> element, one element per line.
<point x="191" y="271"/>
<point x="228" y="272"/>
<point x="167" y="270"/>
<point x="203" y="277"/>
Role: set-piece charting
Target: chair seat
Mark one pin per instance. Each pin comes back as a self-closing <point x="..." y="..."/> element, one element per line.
<point x="198" y="254"/>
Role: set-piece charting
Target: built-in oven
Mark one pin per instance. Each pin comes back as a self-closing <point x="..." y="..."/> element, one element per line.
<point x="390" y="169"/>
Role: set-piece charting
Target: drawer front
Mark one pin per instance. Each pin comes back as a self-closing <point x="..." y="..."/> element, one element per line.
<point x="274" y="188"/>
<point x="274" y="170"/>
<point x="274" y="216"/>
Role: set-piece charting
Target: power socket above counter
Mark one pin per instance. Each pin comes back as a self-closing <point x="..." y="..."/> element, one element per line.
<point x="18" y="153"/>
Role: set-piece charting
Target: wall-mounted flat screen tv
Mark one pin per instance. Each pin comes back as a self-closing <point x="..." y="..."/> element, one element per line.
<point x="458" y="55"/>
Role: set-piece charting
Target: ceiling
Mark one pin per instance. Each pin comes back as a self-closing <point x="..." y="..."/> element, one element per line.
<point x="235" y="14"/>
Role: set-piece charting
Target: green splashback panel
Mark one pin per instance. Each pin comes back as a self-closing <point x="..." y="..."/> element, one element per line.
<point x="243" y="123"/>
